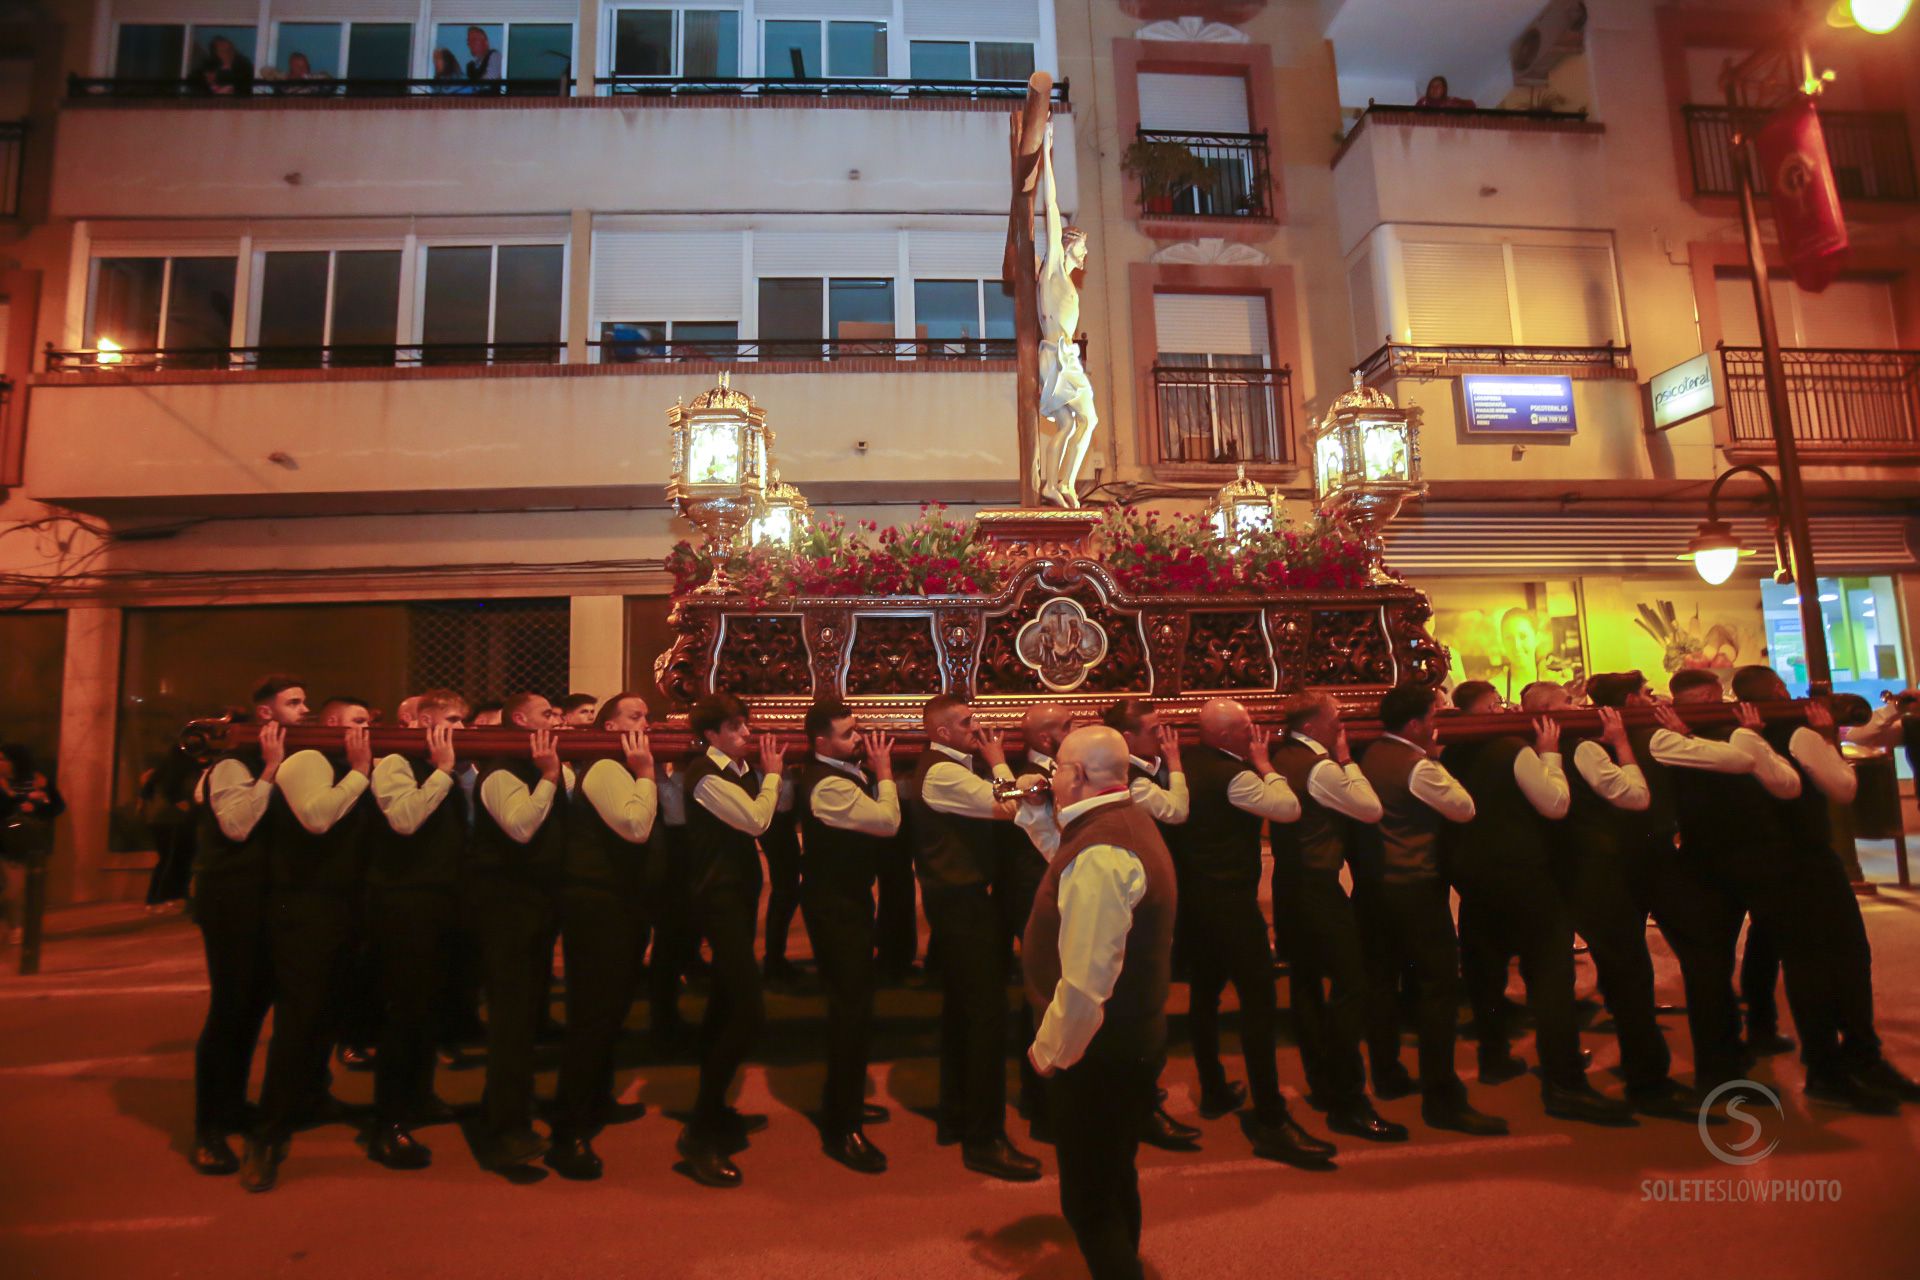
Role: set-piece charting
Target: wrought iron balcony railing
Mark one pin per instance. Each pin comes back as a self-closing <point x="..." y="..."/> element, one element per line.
<point x="1210" y="414"/>
<point x="697" y="351"/>
<point x="734" y="87"/>
<point x="1856" y="402"/>
<point x="343" y="356"/>
<point x="1235" y="180"/>
<point x="1397" y="359"/>
<point x="1871" y="153"/>
<point x="87" y="88"/>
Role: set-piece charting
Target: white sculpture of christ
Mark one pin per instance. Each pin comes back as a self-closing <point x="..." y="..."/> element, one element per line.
<point x="1066" y="395"/>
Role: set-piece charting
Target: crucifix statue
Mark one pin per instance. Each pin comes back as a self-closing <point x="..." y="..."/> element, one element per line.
<point x="1046" y="313"/>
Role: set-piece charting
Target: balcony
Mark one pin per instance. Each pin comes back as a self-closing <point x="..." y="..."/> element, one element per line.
<point x="1214" y="416"/>
<point x="101" y="90"/>
<point x="1871" y="154"/>
<point x="1402" y="360"/>
<point x="1850" y="405"/>
<point x="124" y="360"/>
<point x="746" y="354"/>
<point x="255" y="435"/>
<point x="1204" y="175"/>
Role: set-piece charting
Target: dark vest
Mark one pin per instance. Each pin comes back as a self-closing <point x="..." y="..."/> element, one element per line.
<point x="1135" y="1021"/>
<point x="1318" y="841"/>
<point x="430" y="858"/>
<point x="1727" y="817"/>
<point x="1809" y="816"/>
<point x="540" y="859"/>
<point x="1660" y="821"/>
<point x="596" y="854"/>
<point x="833" y="858"/>
<point x="719" y="856"/>
<point x="1592" y="827"/>
<point x="1220" y="843"/>
<point x="948" y="852"/>
<point x="215" y="856"/>
<point x="1506" y="831"/>
<point x="335" y="861"/>
<point x="1409" y="830"/>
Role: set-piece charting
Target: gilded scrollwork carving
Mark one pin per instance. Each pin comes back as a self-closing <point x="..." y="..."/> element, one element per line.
<point x="1423" y="659"/>
<point x="827" y="634"/>
<point x="1349" y="647"/>
<point x="1226" y="650"/>
<point x="959" y="631"/>
<point x="1291" y="633"/>
<point x="763" y="655"/>
<point x="893" y="656"/>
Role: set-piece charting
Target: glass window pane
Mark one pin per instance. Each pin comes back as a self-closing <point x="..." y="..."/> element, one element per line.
<point x="860" y="311"/>
<point x="945" y="310"/>
<point x="317" y="42"/>
<point x="454" y="309"/>
<point x="200" y="307"/>
<point x="126" y="302"/>
<point x="857" y="48"/>
<point x="540" y="51"/>
<point x="939" y="60"/>
<point x="476" y="49"/>
<point x="293" y="309"/>
<point x="222" y="58"/>
<point x="999" y="311"/>
<point x="792" y="51"/>
<point x="643" y="42"/>
<point x="150" y="51"/>
<point x="710" y="43"/>
<point x="622" y="341"/>
<point x="790" y="317"/>
<point x="366" y="306"/>
<point x="527" y="307"/>
<point x="380" y="51"/>
<point x="1003" y="61"/>
<point x="692" y="336"/>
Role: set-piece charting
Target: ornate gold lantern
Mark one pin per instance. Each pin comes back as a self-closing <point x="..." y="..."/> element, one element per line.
<point x="721" y="444"/>
<point x="1245" y="507"/>
<point x="1366" y="464"/>
<point x="784" y="516"/>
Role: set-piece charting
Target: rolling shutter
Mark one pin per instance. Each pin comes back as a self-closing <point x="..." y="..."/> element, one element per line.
<point x="828" y="9"/>
<point x="826" y="253"/>
<point x="1566" y="295"/>
<point x="1456" y="293"/>
<point x="666" y="275"/>
<point x="1211" y="324"/>
<point x="1850" y="313"/>
<point x="1193" y="104"/>
<point x="957" y="255"/>
<point x="979" y="19"/>
<point x="1367" y="333"/>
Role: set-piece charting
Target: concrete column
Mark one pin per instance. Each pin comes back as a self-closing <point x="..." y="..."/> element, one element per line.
<point x="586" y="58"/>
<point x="597" y="645"/>
<point x="579" y="286"/>
<point x="89" y="701"/>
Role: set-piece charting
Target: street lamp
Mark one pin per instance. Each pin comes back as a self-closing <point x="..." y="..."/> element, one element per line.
<point x="1876" y="17"/>
<point x="1716" y="552"/>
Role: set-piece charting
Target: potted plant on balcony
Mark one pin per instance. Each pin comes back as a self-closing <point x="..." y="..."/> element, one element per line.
<point x="1164" y="170"/>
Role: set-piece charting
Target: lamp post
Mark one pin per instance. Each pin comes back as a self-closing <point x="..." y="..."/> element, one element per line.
<point x="1716" y="552"/>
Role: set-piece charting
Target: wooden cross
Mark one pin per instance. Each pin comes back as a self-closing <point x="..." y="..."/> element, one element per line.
<point x="1018" y="275"/>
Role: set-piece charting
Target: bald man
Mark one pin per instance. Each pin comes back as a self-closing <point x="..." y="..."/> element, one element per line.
<point x="1022" y="856"/>
<point x="1097" y="956"/>
<point x="1232" y="788"/>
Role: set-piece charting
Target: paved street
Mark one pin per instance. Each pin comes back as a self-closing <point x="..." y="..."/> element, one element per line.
<point x="95" y="1061"/>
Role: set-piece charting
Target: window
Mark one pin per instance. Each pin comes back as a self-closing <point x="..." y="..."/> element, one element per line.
<point x="1509" y="294"/>
<point x="538" y="53"/>
<point x="958" y="314"/>
<point x="796" y="314"/>
<point x="316" y="42"/>
<point x="624" y="341"/>
<point x="171" y="304"/>
<point x="1862" y="620"/>
<point x="1511" y="634"/>
<point x="970" y="60"/>
<point x="343" y="50"/>
<point x="506" y="296"/>
<point x="686" y="43"/>
<point x="1851" y="313"/>
<point x="344" y="300"/>
<point x="1212" y="378"/>
<point x="150" y="51"/>
<point x="792" y="50"/>
<point x="379" y="50"/>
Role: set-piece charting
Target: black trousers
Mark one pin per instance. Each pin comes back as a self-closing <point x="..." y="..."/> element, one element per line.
<point x="1099" y="1107"/>
<point x="1409" y="924"/>
<point x="736" y="1010"/>
<point x="312" y="933"/>
<point x="173" y="870"/>
<point x="1227" y="942"/>
<point x="1017" y="881"/>
<point x="840" y="924"/>
<point x="234" y="929"/>
<point x="674" y="938"/>
<point x="897" y="923"/>
<point x="359" y="1018"/>
<point x="1760" y="981"/>
<point x="596" y="932"/>
<point x="973" y="1010"/>
<point x="1519" y="910"/>
<point x="412" y="932"/>
<point x="781" y="844"/>
<point x="514" y="919"/>
<point x="1327" y="978"/>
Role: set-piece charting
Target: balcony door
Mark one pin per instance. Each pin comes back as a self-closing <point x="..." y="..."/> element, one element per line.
<point x="1213" y="379"/>
<point x="1208" y="115"/>
<point x="1855" y="314"/>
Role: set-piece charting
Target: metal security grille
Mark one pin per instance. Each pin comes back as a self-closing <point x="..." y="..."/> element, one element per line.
<point x="488" y="649"/>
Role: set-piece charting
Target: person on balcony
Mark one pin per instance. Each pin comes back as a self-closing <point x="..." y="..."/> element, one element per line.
<point x="226" y="71"/>
<point x="1439" y="97"/>
<point x="485" y="62"/>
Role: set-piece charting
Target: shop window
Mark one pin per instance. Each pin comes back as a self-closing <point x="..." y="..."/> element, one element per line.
<point x="1510" y="633"/>
<point x="1862" y="617"/>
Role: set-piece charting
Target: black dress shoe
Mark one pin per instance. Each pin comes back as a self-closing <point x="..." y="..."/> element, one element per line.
<point x="706" y="1163"/>
<point x="874" y="1113"/>
<point x="1168" y="1134"/>
<point x="356" y="1057"/>
<point x="1500" y="1068"/>
<point x="573" y="1159"/>
<point x="1460" y="1117"/>
<point x="434" y="1109"/>
<point x="260" y="1165"/>
<point x="1883" y="1075"/>
<point x="1668" y="1099"/>
<point x="1844" y="1089"/>
<point x="1225" y="1102"/>
<point x="1000" y="1159"/>
<point x="392" y="1146"/>
<point x="1586" y="1104"/>
<point x="1388" y="1085"/>
<point x="1285" y="1141"/>
<point x="213" y="1156"/>
<point x="523" y="1146"/>
<point x="854" y="1151"/>
<point x="1765" y="1044"/>
<point x="1361" y="1121"/>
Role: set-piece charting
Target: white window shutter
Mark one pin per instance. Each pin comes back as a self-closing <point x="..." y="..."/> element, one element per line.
<point x="1738" y="326"/>
<point x="666" y="275"/>
<point x="1850" y="313"/>
<point x="1367" y="333"/>
<point x="1456" y="293"/>
<point x="1214" y="324"/>
<point x="1566" y="295"/>
<point x="1193" y="104"/>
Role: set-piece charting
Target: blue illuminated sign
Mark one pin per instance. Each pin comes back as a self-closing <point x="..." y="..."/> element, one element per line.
<point x="1518" y="404"/>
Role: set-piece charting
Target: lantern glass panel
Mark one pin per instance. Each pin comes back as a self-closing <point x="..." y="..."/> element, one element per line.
<point x="713" y="453"/>
<point x="1385" y="450"/>
<point x="774" y="527"/>
<point x="1329" y="463"/>
<point x="1252" y="518"/>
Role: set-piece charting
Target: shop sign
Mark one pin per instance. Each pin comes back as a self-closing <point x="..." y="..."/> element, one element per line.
<point x="1506" y="404"/>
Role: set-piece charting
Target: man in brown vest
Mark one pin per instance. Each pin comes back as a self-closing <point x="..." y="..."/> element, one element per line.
<point x="1097" y="956"/>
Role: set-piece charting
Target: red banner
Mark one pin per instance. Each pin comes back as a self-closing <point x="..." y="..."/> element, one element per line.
<point x="1806" y="204"/>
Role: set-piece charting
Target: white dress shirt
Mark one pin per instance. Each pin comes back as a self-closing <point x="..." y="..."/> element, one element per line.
<point x="1744" y="752"/>
<point x="317" y="801"/>
<point x="1169" y="804"/>
<point x="952" y="787"/>
<point x="841" y="802"/>
<point x="1624" y="786"/>
<point x="238" y="799"/>
<point x="628" y="805"/>
<point x="1434" y="787"/>
<point x="1341" y="788"/>
<point x="1886" y="728"/>
<point x="1267" y="796"/>
<point x="518" y="811"/>
<point x="1543" y="782"/>
<point x="1824" y="764"/>
<point x="408" y="804"/>
<point x="726" y="797"/>
<point x="1097" y="895"/>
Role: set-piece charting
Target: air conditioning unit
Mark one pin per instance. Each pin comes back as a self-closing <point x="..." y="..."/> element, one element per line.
<point x="1554" y="35"/>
